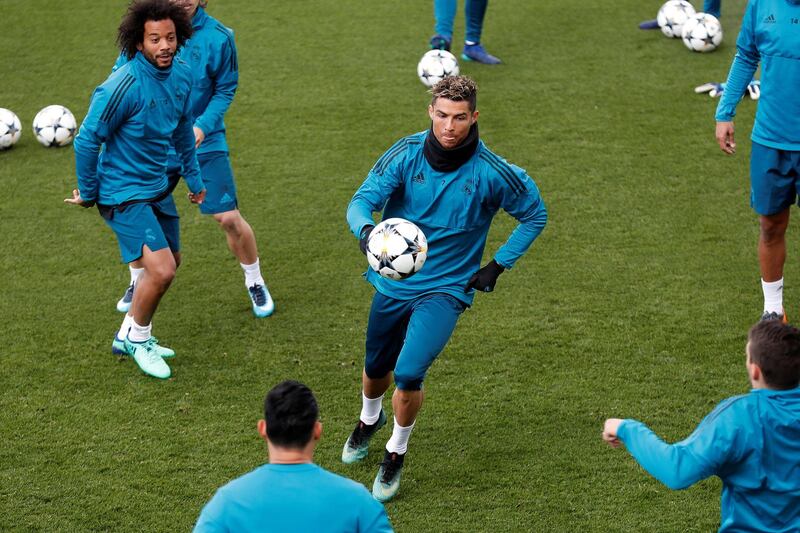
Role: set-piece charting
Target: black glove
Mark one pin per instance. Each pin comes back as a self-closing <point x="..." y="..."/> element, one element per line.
<point x="362" y="242"/>
<point x="485" y="278"/>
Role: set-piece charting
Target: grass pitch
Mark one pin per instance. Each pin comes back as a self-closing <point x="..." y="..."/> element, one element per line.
<point x="634" y="302"/>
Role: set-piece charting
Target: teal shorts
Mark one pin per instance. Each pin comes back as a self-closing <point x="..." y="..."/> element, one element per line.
<point x="406" y="336"/>
<point x="215" y="167"/>
<point x="774" y="176"/>
<point x="152" y="224"/>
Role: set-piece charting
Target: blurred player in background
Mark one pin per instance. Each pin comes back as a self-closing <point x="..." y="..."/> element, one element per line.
<point x="447" y="182"/>
<point x="291" y="493"/>
<point x="770" y="35"/>
<point x="211" y="55"/>
<point x="444" y="12"/>
<point x="751" y="442"/>
<point x="137" y="114"/>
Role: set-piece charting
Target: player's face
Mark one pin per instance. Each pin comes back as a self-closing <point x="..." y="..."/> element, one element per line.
<point x="189" y="5"/>
<point x="451" y="121"/>
<point x="160" y="42"/>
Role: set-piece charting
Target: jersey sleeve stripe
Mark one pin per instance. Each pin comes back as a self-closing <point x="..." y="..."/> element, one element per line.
<point x="389" y="151"/>
<point x="234" y="59"/>
<point x="116" y="97"/>
<point x="513" y="181"/>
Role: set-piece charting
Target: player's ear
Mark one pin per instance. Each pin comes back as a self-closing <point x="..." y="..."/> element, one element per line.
<point x="475" y="116"/>
<point x="430" y="111"/>
<point x="262" y="428"/>
<point x="316" y="433"/>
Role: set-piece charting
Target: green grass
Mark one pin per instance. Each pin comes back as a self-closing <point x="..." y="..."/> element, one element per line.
<point x="634" y="302"/>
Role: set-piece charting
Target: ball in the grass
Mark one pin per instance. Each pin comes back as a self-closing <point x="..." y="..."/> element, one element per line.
<point x="702" y="33"/>
<point x="672" y="15"/>
<point x="396" y="248"/>
<point x="10" y="128"/>
<point x="54" y="126"/>
<point x="436" y="65"/>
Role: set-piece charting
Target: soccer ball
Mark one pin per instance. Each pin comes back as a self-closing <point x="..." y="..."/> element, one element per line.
<point x="702" y="33"/>
<point x="54" y="126"/>
<point x="10" y="129"/>
<point x="436" y="65"/>
<point x="672" y="15"/>
<point x="396" y="249"/>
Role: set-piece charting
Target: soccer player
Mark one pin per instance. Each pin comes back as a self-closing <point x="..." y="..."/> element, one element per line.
<point x="752" y="441"/>
<point x="768" y="35"/>
<point x="291" y="493"/>
<point x="444" y="11"/>
<point x="211" y="54"/>
<point x="712" y="7"/>
<point x="447" y="182"/>
<point x="137" y="113"/>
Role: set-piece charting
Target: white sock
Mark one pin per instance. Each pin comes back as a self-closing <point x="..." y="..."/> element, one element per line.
<point x="252" y="274"/>
<point x="135" y="273"/>
<point x="370" y="409"/>
<point x="125" y="327"/>
<point x="773" y="296"/>
<point x="398" y="443"/>
<point x="139" y="333"/>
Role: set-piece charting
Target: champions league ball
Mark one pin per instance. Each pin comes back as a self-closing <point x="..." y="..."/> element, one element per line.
<point x="672" y="16"/>
<point x="10" y="129"/>
<point x="54" y="126"/>
<point x="396" y="249"/>
<point x="436" y="65"/>
<point x="702" y="33"/>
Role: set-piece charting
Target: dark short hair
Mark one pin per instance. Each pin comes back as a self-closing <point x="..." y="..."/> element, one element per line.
<point x="457" y="89"/>
<point x="291" y="411"/>
<point x="131" y="29"/>
<point x="775" y="348"/>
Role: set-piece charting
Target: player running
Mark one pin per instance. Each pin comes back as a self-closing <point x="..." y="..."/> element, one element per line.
<point x="138" y="112"/>
<point x="770" y="35"/>
<point x="751" y="442"/>
<point x="447" y="182"/>
<point x="211" y="54"/>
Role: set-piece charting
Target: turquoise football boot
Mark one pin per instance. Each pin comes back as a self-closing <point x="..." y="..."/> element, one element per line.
<point x="146" y="356"/>
<point x="263" y="306"/>
<point x="124" y="303"/>
<point x="387" y="482"/>
<point x="357" y="445"/>
<point x="118" y="348"/>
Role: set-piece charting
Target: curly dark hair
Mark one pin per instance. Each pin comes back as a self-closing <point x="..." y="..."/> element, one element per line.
<point x="131" y="29"/>
<point x="457" y="89"/>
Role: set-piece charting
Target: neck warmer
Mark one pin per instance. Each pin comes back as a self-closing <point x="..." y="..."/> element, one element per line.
<point x="445" y="160"/>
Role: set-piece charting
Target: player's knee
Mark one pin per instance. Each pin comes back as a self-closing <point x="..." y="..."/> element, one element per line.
<point x="772" y="230"/>
<point x="229" y="221"/>
<point x="162" y="274"/>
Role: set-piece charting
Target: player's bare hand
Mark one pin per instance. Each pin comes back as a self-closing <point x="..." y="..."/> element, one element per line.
<point x="197" y="198"/>
<point x="199" y="137"/>
<point x="610" y="432"/>
<point x="725" y="137"/>
<point x="77" y="200"/>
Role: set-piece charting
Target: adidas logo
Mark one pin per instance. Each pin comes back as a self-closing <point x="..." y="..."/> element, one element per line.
<point x="226" y="198"/>
<point x="770" y="19"/>
<point x="419" y="178"/>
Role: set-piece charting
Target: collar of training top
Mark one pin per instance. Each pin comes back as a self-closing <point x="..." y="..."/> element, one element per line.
<point x="445" y="160"/>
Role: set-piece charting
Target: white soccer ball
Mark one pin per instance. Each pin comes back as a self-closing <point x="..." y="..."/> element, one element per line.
<point x="702" y="33"/>
<point x="396" y="249"/>
<point x="436" y="65"/>
<point x="10" y="129"/>
<point x="672" y="15"/>
<point x="54" y="126"/>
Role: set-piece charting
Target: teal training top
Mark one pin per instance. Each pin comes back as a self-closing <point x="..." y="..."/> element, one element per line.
<point x="137" y="113"/>
<point x="770" y="34"/>
<point x="298" y="498"/>
<point x="752" y="442"/>
<point x="453" y="209"/>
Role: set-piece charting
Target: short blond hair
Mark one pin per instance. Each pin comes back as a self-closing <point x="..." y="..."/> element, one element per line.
<point x="457" y="89"/>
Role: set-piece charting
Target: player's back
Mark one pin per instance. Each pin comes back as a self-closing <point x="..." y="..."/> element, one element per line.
<point x="293" y="497"/>
<point x="762" y="484"/>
